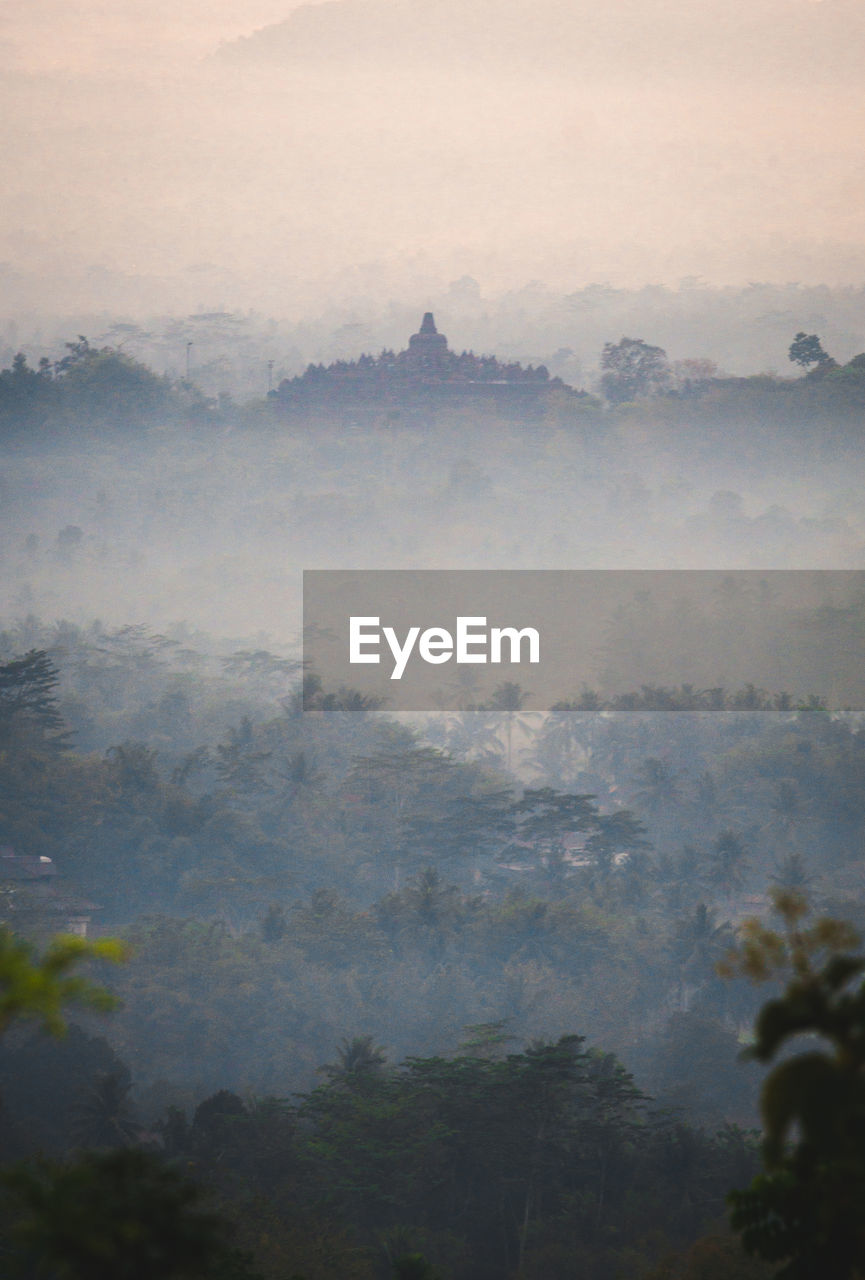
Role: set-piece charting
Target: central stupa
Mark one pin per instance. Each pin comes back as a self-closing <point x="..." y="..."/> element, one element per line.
<point x="428" y="349"/>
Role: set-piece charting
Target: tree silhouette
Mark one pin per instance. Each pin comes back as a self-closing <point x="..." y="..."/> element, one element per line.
<point x="357" y="1058"/>
<point x="509" y="697"/>
<point x="28" y="696"/>
<point x="658" y="785"/>
<point x="700" y="942"/>
<point x="729" y="863"/>
<point x="117" y="1215"/>
<point x="631" y="367"/>
<point x="104" y="1116"/>
<point x="792" y="873"/>
<point x="806" y="349"/>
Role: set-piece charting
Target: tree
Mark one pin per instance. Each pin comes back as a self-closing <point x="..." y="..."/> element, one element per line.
<point x="413" y="1266"/>
<point x="658" y="785"/>
<point x="510" y="698"/>
<point x="274" y="926"/>
<point x="464" y="829"/>
<point x="564" y="743"/>
<point x="696" y="1067"/>
<point x="28" y="695"/>
<point x="694" y="374"/>
<point x="805" y="1210"/>
<point x="729" y="863"/>
<point x="27" y="396"/>
<point x="357" y="1059"/>
<point x="43" y="1080"/>
<point x="633" y="368"/>
<point x="470" y="734"/>
<point x="619" y="832"/>
<point x="38" y="988"/>
<point x="700" y="941"/>
<point x="106" y="385"/>
<point x="713" y="1257"/>
<point x="216" y="1125"/>
<point x="792" y="873"/>
<point x="548" y="818"/>
<point x="117" y="1215"/>
<point x="104" y="1116"/>
<point x="806" y="349"/>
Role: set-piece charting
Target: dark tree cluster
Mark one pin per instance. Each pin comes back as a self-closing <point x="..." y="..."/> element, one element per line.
<point x="90" y="386"/>
<point x="486" y="1163"/>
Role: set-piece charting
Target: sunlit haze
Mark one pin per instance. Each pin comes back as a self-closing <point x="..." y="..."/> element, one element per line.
<point x="259" y="154"/>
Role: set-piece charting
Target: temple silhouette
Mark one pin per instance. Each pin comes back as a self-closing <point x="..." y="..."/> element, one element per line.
<point x="425" y="377"/>
<point x="428" y="349"/>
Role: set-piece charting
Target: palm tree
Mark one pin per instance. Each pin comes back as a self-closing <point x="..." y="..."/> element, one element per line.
<point x="104" y="1116"/>
<point x="700" y="943"/>
<point x="729" y="863"/>
<point x="658" y="784"/>
<point x="471" y="735"/>
<point x="510" y="698"/>
<point x="357" y="1059"/>
<point x="428" y="895"/>
<point x="791" y="873"/>
<point x="564" y="742"/>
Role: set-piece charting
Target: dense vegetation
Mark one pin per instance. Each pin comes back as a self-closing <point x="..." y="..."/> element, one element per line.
<point x="299" y="881"/>
<point x="414" y="996"/>
<point x="99" y="386"/>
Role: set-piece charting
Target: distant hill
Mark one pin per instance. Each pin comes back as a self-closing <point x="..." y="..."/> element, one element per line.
<point x="763" y="40"/>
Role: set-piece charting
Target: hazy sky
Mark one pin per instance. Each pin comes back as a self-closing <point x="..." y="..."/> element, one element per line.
<point x="246" y="153"/>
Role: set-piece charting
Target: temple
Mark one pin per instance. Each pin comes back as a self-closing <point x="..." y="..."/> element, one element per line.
<point x="424" y="378"/>
<point x="428" y="349"/>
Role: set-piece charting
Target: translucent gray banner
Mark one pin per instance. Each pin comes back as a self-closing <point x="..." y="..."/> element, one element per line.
<point x="427" y="640"/>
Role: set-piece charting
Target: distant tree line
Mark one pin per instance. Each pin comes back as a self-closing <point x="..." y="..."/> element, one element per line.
<point x="105" y="387"/>
<point x="94" y="386"/>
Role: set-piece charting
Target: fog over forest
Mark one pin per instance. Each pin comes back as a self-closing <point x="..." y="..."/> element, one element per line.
<point x="315" y="891"/>
<point x="508" y="991"/>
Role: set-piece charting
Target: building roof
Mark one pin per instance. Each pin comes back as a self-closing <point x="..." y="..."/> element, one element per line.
<point x="22" y="866"/>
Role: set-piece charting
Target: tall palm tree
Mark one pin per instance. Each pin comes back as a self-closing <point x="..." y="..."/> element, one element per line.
<point x="700" y="942"/>
<point x="658" y="784"/>
<point x="564" y="742"/>
<point x="471" y="735"/>
<point x="510" y="698"/>
<point x="104" y="1117"/>
<point x="792" y="873"/>
<point x="357" y="1058"/>
<point x="729" y="864"/>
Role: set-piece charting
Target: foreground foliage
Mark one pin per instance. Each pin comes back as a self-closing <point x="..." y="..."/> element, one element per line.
<point x="38" y="987"/>
<point x="115" y="1215"/>
<point x="805" y="1210"/>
